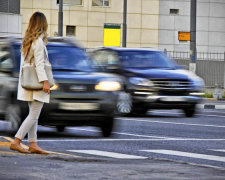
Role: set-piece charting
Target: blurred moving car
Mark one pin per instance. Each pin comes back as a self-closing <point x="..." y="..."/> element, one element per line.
<point x="80" y="97"/>
<point x="151" y="79"/>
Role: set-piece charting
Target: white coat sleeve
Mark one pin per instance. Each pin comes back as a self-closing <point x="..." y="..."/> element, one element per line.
<point x="38" y="48"/>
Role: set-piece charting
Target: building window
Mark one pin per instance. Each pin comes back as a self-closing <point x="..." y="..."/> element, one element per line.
<point x="174" y="11"/>
<point x="100" y="3"/>
<point x="10" y="6"/>
<point x="72" y="2"/>
<point x="70" y="30"/>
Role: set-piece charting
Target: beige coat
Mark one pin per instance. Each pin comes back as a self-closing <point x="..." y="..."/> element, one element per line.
<point x="37" y="51"/>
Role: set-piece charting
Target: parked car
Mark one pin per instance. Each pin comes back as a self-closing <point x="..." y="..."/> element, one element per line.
<point x="81" y="97"/>
<point x="151" y="80"/>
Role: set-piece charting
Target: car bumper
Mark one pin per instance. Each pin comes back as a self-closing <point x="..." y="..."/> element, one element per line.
<point x="79" y="109"/>
<point x="168" y="102"/>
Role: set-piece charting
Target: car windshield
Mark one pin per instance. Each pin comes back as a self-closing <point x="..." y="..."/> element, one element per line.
<point x="145" y="59"/>
<point x="62" y="58"/>
<point x="66" y="58"/>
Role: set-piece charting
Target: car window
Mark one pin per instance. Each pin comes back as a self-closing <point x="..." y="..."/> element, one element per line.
<point x="68" y="58"/>
<point x="5" y="58"/>
<point x="104" y="58"/>
<point x="145" y="59"/>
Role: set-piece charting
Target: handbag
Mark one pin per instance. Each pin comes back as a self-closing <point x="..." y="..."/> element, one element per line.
<point x="29" y="78"/>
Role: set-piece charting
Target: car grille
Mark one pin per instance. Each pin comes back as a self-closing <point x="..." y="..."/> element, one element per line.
<point x="79" y="88"/>
<point x="168" y="84"/>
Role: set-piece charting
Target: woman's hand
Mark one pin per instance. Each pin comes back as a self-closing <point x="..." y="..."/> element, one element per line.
<point x="46" y="87"/>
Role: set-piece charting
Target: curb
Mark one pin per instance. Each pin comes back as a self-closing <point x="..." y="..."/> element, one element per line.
<point x="211" y="106"/>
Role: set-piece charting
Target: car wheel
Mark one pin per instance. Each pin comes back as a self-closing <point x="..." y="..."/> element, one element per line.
<point x="190" y="112"/>
<point x="107" y="126"/>
<point x="60" y="128"/>
<point x="14" y="117"/>
<point x="124" y="103"/>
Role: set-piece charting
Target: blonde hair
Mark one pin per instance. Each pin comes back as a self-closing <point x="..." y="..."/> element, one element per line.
<point x="37" y="26"/>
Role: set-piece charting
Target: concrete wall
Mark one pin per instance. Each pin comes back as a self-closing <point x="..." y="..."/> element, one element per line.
<point x="142" y="20"/>
<point x="210" y="25"/>
<point x="10" y="24"/>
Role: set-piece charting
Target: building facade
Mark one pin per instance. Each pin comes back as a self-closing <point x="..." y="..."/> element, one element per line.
<point x="174" y="17"/>
<point x="10" y="18"/>
<point x="150" y="23"/>
<point x="85" y="19"/>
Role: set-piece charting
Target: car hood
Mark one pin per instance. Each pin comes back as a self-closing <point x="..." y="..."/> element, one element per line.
<point x="84" y="77"/>
<point x="161" y="73"/>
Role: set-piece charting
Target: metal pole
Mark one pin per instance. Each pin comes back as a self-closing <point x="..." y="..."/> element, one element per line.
<point x="224" y="72"/>
<point x="193" y="35"/>
<point x="60" y="20"/>
<point x="124" y="43"/>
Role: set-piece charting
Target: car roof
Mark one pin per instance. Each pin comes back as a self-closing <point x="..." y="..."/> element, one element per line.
<point x="127" y="49"/>
<point x="53" y="41"/>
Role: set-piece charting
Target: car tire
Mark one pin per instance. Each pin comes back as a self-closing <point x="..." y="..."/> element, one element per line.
<point x="14" y="117"/>
<point x="190" y="112"/>
<point x="60" y="128"/>
<point x="124" y="103"/>
<point x="107" y="126"/>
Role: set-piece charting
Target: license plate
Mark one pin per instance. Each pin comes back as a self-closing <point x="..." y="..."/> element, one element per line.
<point x="172" y="98"/>
<point x="79" y="106"/>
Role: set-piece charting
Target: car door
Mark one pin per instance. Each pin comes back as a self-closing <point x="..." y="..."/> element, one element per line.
<point x="6" y="66"/>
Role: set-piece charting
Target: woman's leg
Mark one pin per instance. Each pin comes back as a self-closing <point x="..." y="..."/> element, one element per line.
<point x="31" y="120"/>
<point x="32" y="134"/>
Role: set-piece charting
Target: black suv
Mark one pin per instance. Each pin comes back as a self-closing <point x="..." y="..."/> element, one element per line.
<point x="151" y="80"/>
<point x="81" y="97"/>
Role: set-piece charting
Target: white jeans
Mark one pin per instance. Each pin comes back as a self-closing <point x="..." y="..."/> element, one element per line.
<point x="30" y="124"/>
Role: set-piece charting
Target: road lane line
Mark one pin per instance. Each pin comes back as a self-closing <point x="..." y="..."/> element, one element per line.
<point x="187" y="154"/>
<point x="34" y="154"/>
<point x="26" y="147"/>
<point x="11" y="140"/>
<point x="4" y="144"/>
<point x="217" y="150"/>
<point x="210" y="115"/>
<point x="108" y="154"/>
<point x="166" y="122"/>
<point x="64" y="154"/>
<point x="137" y="135"/>
<point x="120" y="133"/>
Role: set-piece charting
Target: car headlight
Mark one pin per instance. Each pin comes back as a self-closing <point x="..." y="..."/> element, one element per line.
<point x="108" y="86"/>
<point x="55" y="87"/>
<point x="198" y="84"/>
<point x="141" y="81"/>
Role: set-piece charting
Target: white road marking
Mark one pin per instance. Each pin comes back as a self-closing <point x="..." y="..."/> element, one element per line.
<point x="217" y="150"/>
<point x="167" y="122"/>
<point x="108" y="154"/>
<point x="210" y="115"/>
<point x="137" y="135"/>
<point x="121" y="133"/>
<point x="187" y="154"/>
<point x="93" y="140"/>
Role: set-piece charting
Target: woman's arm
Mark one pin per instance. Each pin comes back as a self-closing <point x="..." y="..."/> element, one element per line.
<point x="38" y="48"/>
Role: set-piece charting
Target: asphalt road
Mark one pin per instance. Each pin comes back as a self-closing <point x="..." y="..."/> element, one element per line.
<point x="161" y="145"/>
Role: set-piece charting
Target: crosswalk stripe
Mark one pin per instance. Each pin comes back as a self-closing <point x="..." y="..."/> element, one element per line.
<point x="108" y="154"/>
<point x="217" y="150"/>
<point x="187" y="154"/>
